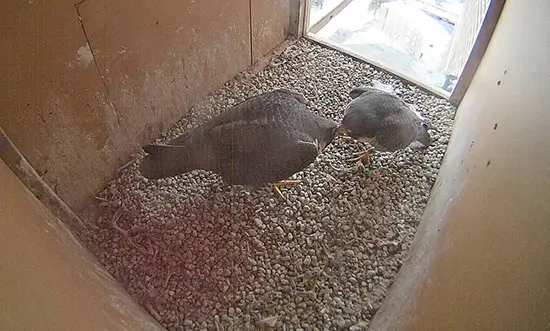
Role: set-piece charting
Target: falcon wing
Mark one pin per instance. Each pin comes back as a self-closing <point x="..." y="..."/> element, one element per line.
<point x="260" y="106"/>
<point x="262" y="152"/>
<point x="395" y="133"/>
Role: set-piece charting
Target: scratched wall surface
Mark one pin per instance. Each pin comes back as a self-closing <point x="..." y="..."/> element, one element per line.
<point x="166" y="56"/>
<point x="270" y="25"/>
<point x="54" y="106"/>
<point x="84" y="86"/>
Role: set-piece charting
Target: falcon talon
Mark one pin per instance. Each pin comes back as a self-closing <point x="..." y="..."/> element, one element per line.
<point x="279" y="193"/>
<point x="286" y="182"/>
<point x="363" y="157"/>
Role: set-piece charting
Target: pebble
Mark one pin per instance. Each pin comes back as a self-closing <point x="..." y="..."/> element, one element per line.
<point x="259" y="223"/>
<point x="209" y="256"/>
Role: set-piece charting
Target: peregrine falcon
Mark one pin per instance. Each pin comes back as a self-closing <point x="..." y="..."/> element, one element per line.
<point x="264" y="139"/>
<point x="380" y="118"/>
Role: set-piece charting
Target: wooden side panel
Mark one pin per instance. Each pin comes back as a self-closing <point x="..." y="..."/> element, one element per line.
<point x="158" y="58"/>
<point x="53" y="103"/>
<point x="85" y="85"/>
<point x="49" y="281"/>
<point x="270" y="25"/>
<point x="77" y="100"/>
<point x="480" y="258"/>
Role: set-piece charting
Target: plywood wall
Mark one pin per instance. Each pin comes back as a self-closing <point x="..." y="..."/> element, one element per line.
<point x="481" y="256"/>
<point x="85" y="84"/>
<point x="270" y="23"/>
<point x="49" y="281"/>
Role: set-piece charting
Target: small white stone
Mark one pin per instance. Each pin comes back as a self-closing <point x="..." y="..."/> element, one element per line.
<point x="259" y="223"/>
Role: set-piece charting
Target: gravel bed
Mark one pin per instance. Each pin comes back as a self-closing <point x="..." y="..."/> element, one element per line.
<point x="200" y="255"/>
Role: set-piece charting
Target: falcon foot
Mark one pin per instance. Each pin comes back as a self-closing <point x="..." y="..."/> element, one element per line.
<point x="363" y="158"/>
<point x="286" y="182"/>
<point x="348" y="138"/>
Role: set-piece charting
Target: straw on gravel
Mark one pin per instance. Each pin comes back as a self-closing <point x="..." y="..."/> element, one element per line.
<point x="200" y="255"/>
